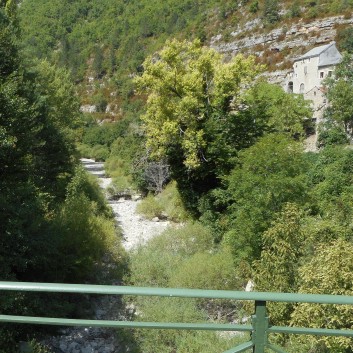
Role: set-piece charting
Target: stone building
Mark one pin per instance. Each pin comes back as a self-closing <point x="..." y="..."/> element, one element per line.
<point x="309" y="70"/>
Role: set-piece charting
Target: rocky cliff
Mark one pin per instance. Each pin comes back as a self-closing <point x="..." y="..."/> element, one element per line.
<point x="278" y="47"/>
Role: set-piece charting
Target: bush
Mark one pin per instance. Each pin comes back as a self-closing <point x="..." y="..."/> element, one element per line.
<point x="172" y="204"/>
<point x="181" y="257"/>
<point x="85" y="151"/>
<point x="149" y="207"/>
<point x="154" y="263"/>
<point x="331" y="134"/>
<point x="85" y="232"/>
<point x="100" y="153"/>
<point x="176" y="341"/>
<point x="207" y="271"/>
<point x="167" y="203"/>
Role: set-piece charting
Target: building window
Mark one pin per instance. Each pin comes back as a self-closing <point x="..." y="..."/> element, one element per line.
<point x="305" y="70"/>
<point x="329" y="74"/>
<point x="301" y="90"/>
<point x="321" y="74"/>
<point x="290" y="87"/>
<point x="315" y="93"/>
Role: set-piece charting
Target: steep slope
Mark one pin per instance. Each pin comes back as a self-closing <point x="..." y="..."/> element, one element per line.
<point x="104" y="43"/>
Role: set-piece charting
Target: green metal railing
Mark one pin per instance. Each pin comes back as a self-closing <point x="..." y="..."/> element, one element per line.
<point x="260" y="327"/>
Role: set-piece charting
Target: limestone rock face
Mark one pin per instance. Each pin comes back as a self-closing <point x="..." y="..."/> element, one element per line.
<point x="300" y="34"/>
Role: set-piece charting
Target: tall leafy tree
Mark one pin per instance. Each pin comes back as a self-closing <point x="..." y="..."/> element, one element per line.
<point x="191" y="116"/>
<point x="271" y="173"/>
<point x="340" y="95"/>
<point x="328" y="272"/>
<point x="277" y="268"/>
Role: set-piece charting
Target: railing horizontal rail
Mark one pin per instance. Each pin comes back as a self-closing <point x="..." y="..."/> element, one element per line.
<point x="311" y="331"/>
<point x="177" y="292"/>
<point x="135" y="324"/>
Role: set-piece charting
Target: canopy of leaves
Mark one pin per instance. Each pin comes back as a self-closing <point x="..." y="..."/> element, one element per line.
<point x="186" y="84"/>
<point x="340" y="88"/>
<point x="271" y="173"/>
<point x="329" y="272"/>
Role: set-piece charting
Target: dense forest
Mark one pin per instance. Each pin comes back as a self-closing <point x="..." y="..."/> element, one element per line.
<point x="55" y="224"/>
<point x="206" y="140"/>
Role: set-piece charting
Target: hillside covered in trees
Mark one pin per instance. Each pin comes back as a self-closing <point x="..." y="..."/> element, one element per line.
<point x="204" y="137"/>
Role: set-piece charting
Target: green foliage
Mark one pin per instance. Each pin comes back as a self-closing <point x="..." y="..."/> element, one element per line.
<point x="278" y="110"/>
<point x="185" y="85"/>
<point x="99" y="153"/>
<point x="104" y="134"/>
<point x="331" y="134"/>
<point x="277" y="268"/>
<point x="340" y="111"/>
<point x="271" y="173"/>
<point x="37" y="347"/>
<point x="271" y="11"/>
<point x="254" y="6"/>
<point x="149" y="207"/>
<point x="345" y="39"/>
<point x="180" y="257"/>
<point x="166" y="204"/>
<point x="328" y="272"/>
<point x="178" y="341"/>
<point x="172" y="204"/>
<point x="207" y="271"/>
<point x="154" y="264"/>
<point x="331" y="177"/>
<point x="191" y="117"/>
<point x="295" y="9"/>
<point x="55" y="225"/>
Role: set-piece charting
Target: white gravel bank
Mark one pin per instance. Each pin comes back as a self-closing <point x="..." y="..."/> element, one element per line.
<point x="136" y="229"/>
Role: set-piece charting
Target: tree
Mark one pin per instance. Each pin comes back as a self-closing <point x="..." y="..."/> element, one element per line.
<point x="270" y="174"/>
<point x="278" y="110"/>
<point x="277" y="268"/>
<point x="271" y="11"/>
<point x="191" y="116"/>
<point x="332" y="183"/>
<point x="330" y="271"/>
<point x="186" y="84"/>
<point x="340" y="95"/>
<point x="157" y="175"/>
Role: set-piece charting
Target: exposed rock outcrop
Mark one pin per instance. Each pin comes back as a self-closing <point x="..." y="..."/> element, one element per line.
<point x="298" y="35"/>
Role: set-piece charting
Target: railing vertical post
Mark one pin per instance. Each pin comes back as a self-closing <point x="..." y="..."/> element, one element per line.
<point x="260" y="326"/>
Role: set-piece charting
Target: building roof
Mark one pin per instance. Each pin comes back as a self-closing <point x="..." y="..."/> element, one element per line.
<point x="315" y="51"/>
<point x="332" y="58"/>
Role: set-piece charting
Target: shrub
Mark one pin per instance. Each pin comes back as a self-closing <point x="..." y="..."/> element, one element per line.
<point x="100" y="153"/>
<point x="155" y="262"/>
<point x="84" y="232"/>
<point x="176" y="341"/>
<point x="84" y="150"/>
<point x="172" y="204"/>
<point x="181" y="257"/>
<point x="149" y="207"/>
<point x="167" y="203"/>
<point x="207" y="271"/>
